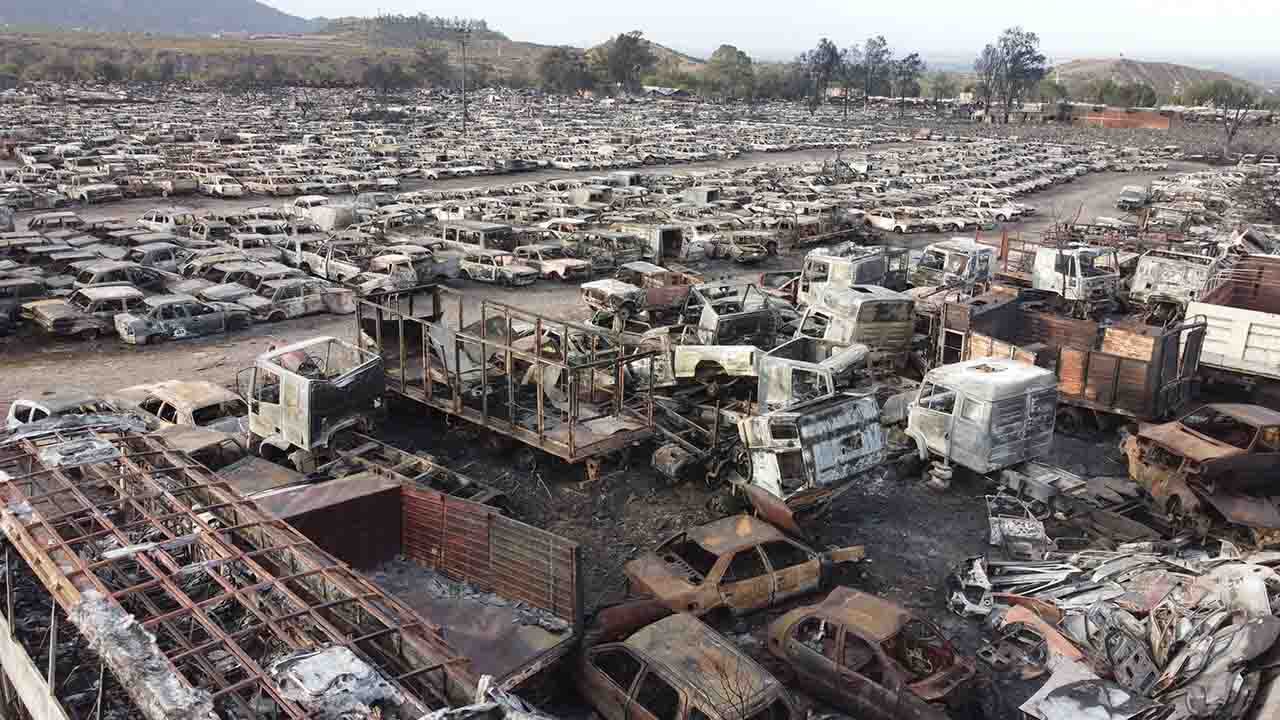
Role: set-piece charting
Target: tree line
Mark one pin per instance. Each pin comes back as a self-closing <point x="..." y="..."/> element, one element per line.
<point x="628" y="62"/>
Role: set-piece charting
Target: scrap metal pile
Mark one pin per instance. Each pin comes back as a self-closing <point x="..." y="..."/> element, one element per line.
<point x="1148" y="629"/>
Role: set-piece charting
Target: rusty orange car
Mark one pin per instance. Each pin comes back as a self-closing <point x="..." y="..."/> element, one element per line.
<point x="738" y="564"/>
<point x="870" y="657"/>
<point x="679" y="669"/>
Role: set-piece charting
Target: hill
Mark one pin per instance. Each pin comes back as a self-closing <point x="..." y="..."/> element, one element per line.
<point x="1167" y="79"/>
<point x="173" y="17"/>
<point x="663" y="54"/>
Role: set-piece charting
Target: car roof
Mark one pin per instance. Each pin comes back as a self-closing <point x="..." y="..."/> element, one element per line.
<point x="188" y="394"/>
<point x="690" y="651"/>
<point x="111" y="292"/>
<point x="159" y="300"/>
<point x="285" y="282"/>
<point x="732" y="534"/>
<point x="1255" y="415"/>
<point x="875" y="618"/>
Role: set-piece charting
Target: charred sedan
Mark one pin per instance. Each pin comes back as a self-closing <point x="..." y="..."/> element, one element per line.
<point x="173" y="317"/>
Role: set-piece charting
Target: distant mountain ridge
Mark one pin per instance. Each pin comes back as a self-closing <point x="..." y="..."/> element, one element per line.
<point x="1166" y="78"/>
<point x="174" y="17"/>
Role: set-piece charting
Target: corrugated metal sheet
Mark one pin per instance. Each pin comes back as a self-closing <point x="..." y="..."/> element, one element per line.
<point x="477" y="544"/>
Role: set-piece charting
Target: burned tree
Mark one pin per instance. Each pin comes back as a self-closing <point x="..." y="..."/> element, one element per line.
<point x="1232" y="100"/>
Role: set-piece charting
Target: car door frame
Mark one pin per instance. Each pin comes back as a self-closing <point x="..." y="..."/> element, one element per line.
<point x="602" y="683"/>
<point x="741" y="588"/>
<point x="794" y="575"/>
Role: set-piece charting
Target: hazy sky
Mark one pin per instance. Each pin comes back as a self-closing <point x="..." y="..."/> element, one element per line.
<point x="1148" y="29"/>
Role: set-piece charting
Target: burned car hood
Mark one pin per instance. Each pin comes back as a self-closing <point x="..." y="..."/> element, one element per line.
<point x="226" y="292"/>
<point x="1176" y="438"/>
<point x="52" y="310"/>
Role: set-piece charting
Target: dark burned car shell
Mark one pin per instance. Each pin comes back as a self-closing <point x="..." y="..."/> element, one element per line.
<point x="870" y="657"/>
<point x="737" y="563"/>
<point x="679" y="669"/>
<point x="1184" y="468"/>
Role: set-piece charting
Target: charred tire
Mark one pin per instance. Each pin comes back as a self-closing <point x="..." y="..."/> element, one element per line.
<point x="772" y="248"/>
<point x="238" y="323"/>
<point x="88" y="334"/>
<point x="899" y="230"/>
<point x="275" y="317"/>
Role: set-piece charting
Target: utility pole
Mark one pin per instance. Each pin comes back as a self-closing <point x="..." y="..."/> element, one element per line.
<point x="464" y="34"/>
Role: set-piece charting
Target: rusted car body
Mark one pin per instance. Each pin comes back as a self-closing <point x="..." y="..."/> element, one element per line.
<point x="1222" y="457"/>
<point x="664" y="290"/>
<point x="870" y="657"/>
<point x="679" y="669"/>
<point x="740" y="564"/>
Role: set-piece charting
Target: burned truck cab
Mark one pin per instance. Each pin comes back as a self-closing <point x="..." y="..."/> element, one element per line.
<point x="952" y="263"/>
<point x="303" y="395"/>
<point x="1079" y="273"/>
<point x="984" y="415"/>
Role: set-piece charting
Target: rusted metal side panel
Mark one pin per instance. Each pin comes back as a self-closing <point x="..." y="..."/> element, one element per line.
<point x="476" y="544"/>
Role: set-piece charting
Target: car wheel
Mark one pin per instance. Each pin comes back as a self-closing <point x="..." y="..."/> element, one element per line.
<point x="276" y="316"/>
<point x="88" y="334"/>
<point x="898" y="229"/>
<point x="1001" y="218"/>
<point x="237" y="323"/>
<point x="772" y="248"/>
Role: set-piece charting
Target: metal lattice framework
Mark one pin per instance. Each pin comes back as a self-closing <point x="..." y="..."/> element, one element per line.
<point x="137" y="528"/>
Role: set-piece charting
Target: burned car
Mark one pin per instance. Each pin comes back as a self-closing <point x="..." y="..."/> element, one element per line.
<point x="870" y="657"/>
<point x="679" y="669"/>
<point x="86" y="313"/>
<point x="67" y="402"/>
<point x="497" y="266"/>
<point x="173" y="317"/>
<point x="276" y="300"/>
<point x="1221" y="457"/>
<point x="182" y="402"/>
<point x="609" y="295"/>
<point x="733" y="565"/>
<point x="553" y="263"/>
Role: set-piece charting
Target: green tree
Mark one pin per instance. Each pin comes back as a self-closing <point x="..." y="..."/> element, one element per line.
<point x="627" y="59"/>
<point x="942" y="86"/>
<point x="1052" y="92"/>
<point x="876" y="60"/>
<point x="431" y="66"/>
<point x="563" y="71"/>
<point x="1232" y="100"/>
<point x="906" y="73"/>
<point x="1022" y="63"/>
<point x="822" y="63"/>
<point x="989" y="67"/>
<point x="730" y="73"/>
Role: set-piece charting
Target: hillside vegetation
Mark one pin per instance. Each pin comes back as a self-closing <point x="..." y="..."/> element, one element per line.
<point x="177" y="17"/>
<point x="1167" y="79"/>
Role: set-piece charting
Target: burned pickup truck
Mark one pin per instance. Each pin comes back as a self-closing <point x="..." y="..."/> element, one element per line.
<point x="1217" y="463"/>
